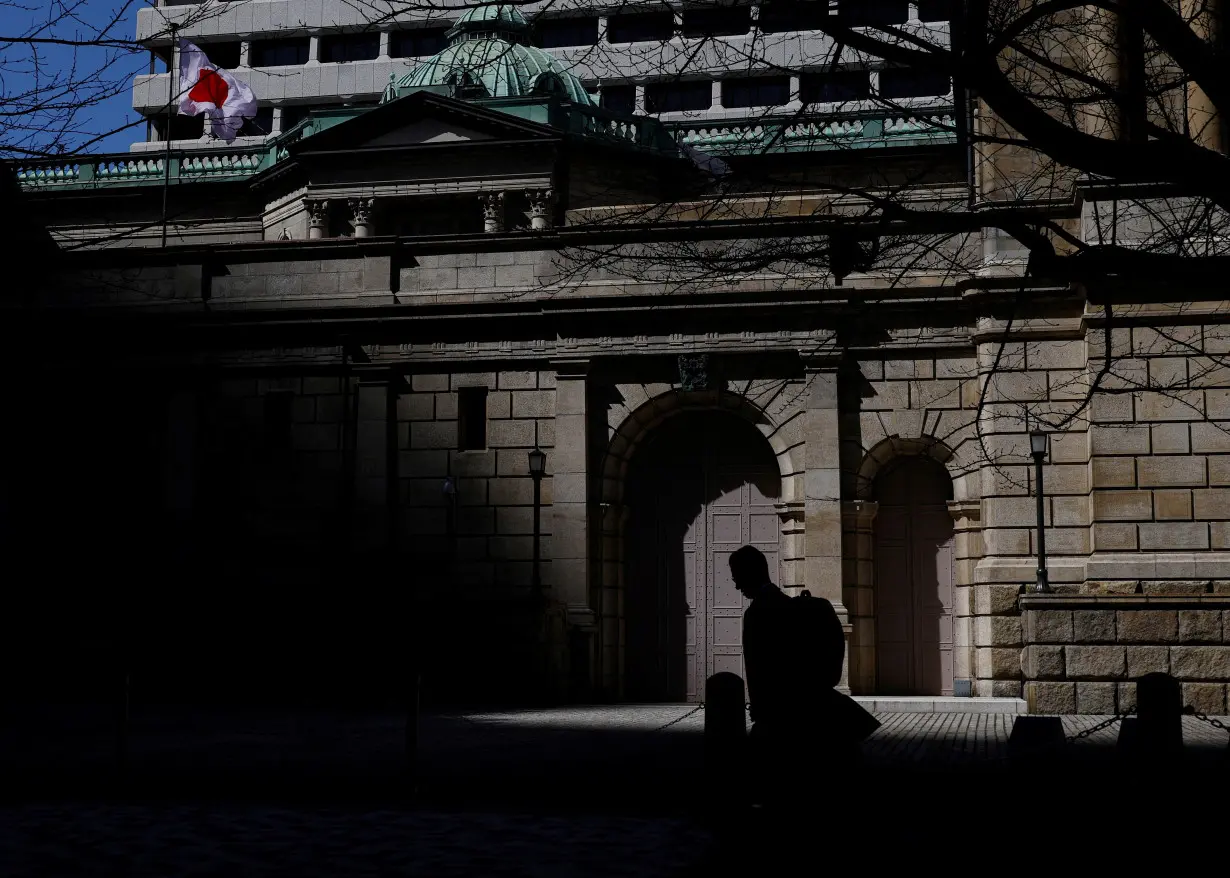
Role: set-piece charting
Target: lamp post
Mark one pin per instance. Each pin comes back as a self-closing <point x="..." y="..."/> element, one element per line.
<point x="538" y="465"/>
<point x="450" y="498"/>
<point x="1037" y="447"/>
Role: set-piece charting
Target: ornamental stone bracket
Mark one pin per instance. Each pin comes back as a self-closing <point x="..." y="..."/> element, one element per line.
<point x="318" y="217"/>
<point x="791" y="513"/>
<point x="541" y="203"/>
<point x="965" y="512"/>
<point x="361" y="215"/>
<point x="693" y="372"/>
<point x="493" y="211"/>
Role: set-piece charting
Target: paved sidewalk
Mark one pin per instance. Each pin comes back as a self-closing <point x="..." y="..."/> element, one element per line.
<point x="584" y="791"/>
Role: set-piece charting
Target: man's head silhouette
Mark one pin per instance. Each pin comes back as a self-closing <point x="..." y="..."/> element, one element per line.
<point x="750" y="570"/>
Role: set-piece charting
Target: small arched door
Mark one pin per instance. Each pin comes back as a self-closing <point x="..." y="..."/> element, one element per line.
<point x="914" y="579"/>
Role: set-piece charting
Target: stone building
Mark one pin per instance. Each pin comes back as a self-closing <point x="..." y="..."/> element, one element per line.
<point x="326" y="388"/>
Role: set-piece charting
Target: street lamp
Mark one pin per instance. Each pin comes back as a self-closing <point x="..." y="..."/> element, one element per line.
<point x="1037" y="447"/>
<point x="538" y="465"/>
<point x="450" y="498"/>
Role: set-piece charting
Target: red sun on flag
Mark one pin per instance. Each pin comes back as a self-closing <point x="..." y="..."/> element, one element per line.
<point x="210" y="88"/>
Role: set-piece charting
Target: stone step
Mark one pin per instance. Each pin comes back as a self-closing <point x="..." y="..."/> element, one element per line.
<point x="940" y="704"/>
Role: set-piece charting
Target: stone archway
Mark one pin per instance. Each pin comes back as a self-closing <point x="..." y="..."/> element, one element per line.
<point x="772" y="472"/>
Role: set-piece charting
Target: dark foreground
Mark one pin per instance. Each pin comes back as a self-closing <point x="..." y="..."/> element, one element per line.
<point x="575" y="791"/>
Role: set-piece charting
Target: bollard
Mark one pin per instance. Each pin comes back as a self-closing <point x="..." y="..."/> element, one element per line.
<point x="1157" y="731"/>
<point x="411" y="742"/>
<point x="725" y="738"/>
<point x="1036" y="740"/>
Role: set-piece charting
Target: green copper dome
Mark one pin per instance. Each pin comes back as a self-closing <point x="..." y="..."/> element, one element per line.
<point x="487" y="56"/>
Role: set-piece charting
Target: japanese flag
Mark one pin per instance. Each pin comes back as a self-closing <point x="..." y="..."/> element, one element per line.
<point x="206" y="88"/>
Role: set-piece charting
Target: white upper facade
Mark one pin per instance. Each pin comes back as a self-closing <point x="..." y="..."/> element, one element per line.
<point x="710" y="61"/>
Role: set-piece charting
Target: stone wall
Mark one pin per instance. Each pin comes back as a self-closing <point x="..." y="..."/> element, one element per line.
<point x="1082" y="651"/>
<point x="493" y="524"/>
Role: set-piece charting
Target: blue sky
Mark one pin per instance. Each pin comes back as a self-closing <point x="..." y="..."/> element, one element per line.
<point x="109" y="95"/>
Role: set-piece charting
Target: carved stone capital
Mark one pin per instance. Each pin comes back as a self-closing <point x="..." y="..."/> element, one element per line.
<point x="492" y="204"/>
<point x="318" y="216"/>
<point x="361" y="215"/>
<point x="541" y="203"/>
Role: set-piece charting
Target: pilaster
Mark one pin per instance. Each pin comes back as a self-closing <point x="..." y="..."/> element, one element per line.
<point x="570" y="493"/>
<point x="822" y="565"/>
<point x="857" y="519"/>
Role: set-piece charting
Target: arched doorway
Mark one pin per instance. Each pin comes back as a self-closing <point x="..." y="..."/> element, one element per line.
<point x="914" y="579"/>
<point x="701" y="485"/>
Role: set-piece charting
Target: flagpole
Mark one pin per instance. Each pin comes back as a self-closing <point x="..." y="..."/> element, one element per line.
<point x="172" y="84"/>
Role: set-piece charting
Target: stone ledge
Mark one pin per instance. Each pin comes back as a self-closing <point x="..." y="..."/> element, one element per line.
<point x="1123" y="602"/>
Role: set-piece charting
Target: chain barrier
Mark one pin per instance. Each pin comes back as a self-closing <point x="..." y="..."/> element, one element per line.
<point x="1205" y="718"/>
<point x="680" y="719"/>
<point x="1093" y="730"/>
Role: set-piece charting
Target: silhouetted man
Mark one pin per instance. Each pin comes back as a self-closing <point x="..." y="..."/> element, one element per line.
<point x="792" y="659"/>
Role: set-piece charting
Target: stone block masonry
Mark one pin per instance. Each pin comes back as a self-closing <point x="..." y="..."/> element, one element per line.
<point x="491" y="526"/>
<point x="1083" y="652"/>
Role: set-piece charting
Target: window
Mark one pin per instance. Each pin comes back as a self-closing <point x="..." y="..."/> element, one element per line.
<point x="552" y="33"/>
<point x="340" y="48"/>
<point x="278" y="53"/>
<point x="900" y="83"/>
<point x="278" y="439"/>
<point x="870" y="13"/>
<point x="472" y="419"/>
<point x="781" y="16"/>
<point x="159" y="59"/>
<point x="182" y="127"/>
<point x="674" y="97"/>
<point x="259" y="126"/>
<point x="294" y="114"/>
<point x="619" y="98"/>
<point x="223" y="54"/>
<point x="935" y="10"/>
<point x="834" y="87"/>
<point x="416" y="42"/>
<point x="645" y="27"/>
<point x="756" y="91"/>
<point x="731" y="21"/>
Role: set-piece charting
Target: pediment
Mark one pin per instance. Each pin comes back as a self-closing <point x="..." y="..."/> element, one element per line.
<point x="422" y="120"/>
<point x="429" y="130"/>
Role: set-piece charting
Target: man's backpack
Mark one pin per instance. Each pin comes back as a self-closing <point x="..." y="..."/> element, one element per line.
<point x="820" y="634"/>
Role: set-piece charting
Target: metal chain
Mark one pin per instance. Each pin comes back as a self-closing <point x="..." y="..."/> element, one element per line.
<point x="1093" y="730"/>
<point x="1205" y="718"/>
<point x="691" y="712"/>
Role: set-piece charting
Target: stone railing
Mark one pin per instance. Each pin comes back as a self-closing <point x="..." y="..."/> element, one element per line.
<point x="601" y="124"/>
<point x="803" y="134"/>
<point x="1082" y="651"/>
<point x="142" y="168"/>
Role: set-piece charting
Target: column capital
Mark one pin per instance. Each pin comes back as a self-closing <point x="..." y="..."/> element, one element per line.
<point x="492" y="204"/>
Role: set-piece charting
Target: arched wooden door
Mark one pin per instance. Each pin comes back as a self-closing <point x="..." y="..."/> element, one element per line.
<point x="914" y="580"/>
<point x="704" y="484"/>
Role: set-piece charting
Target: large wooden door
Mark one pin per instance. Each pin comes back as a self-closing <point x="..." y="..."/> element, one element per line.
<point x="740" y="514"/>
<point x="914" y="581"/>
<point x="703" y="488"/>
